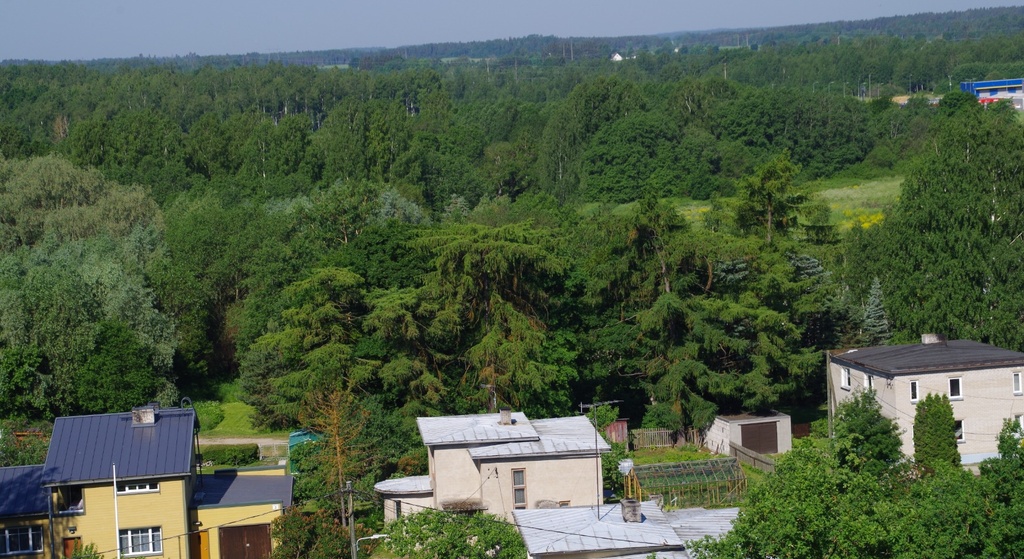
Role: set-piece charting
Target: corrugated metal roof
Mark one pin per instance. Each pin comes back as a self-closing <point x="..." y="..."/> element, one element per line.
<point x="694" y="524"/>
<point x="955" y="355"/>
<point x="584" y="529"/>
<point x="22" y="492"/>
<point x="411" y="484"/>
<point x="562" y="435"/>
<point x="479" y="428"/>
<point x="223" y="490"/>
<point x="83" y="448"/>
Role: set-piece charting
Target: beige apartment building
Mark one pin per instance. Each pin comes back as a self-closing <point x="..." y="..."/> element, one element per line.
<point x="501" y="462"/>
<point x="984" y="384"/>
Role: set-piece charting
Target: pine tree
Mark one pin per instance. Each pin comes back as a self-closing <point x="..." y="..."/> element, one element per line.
<point x="934" y="435"/>
<point x="874" y="322"/>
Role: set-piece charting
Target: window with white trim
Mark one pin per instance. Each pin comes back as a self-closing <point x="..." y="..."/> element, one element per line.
<point x="844" y="378"/>
<point x="956" y="389"/>
<point x="519" y="489"/>
<point x="21" y="540"/>
<point x="1018" y="389"/>
<point x="913" y="392"/>
<point x="1019" y="419"/>
<point x="136" y="487"/>
<point x="958" y="428"/>
<point x="869" y="382"/>
<point x="141" y="541"/>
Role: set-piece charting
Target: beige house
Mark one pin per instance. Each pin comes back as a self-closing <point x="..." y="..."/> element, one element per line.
<point x="501" y="462"/>
<point x="984" y="384"/>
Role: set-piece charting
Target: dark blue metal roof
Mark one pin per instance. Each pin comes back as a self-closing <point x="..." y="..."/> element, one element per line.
<point x="22" y="492"/>
<point x="221" y="490"/>
<point x="83" y="448"/>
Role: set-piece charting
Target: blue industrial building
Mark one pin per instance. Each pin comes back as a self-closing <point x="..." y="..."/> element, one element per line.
<point x="990" y="91"/>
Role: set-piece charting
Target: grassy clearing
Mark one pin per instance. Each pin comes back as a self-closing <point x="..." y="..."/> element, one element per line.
<point x="857" y="203"/>
<point x="237" y="421"/>
<point x="854" y="202"/>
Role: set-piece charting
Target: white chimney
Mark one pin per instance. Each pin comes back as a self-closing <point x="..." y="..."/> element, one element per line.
<point x="933" y="339"/>
<point x="144" y="415"/>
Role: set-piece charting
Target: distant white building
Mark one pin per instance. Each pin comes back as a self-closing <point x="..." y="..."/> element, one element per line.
<point x="616" y="57"/>
<point x="501" y="462"/>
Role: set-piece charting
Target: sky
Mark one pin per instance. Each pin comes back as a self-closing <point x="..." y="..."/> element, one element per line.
<point x="90" y="29"/>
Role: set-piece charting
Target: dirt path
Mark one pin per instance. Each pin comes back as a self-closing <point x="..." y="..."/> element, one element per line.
<point x="260" y="440"/>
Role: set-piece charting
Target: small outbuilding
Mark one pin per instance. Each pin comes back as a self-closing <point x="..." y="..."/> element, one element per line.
<point x="769" y="433"/>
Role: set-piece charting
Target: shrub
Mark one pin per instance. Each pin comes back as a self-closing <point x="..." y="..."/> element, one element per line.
<point x="232" y="455"/>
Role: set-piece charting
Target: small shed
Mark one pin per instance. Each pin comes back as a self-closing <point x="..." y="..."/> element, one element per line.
<point x="769" y="433"/>
<point x="697" y="483"/>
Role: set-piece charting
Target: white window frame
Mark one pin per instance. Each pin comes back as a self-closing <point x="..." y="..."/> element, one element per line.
<point x="959" y="385"/>
<point x="844" y="378"/>
<point x="869" y="382"/>
<point x="1018" y="386"/>
<point x="915" y="391"/>
<point x="961" y="436"/>
<point x="13" y="533"/>
<point x="138" y="487"/>
<point x="519" y="489"/>
<point x="1019" y="418"/>
<point x="141" y="541"/>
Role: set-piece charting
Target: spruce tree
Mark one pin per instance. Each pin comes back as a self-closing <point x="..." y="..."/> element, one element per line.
<point x="874" y="322"/>
<point x="934" y="436"/>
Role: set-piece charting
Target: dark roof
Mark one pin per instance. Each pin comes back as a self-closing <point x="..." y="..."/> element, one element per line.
<point x="21" y="493"/>
<point x="955" y="355"/>
<point x="235" y="490"/>
<point x="83" y="448"/>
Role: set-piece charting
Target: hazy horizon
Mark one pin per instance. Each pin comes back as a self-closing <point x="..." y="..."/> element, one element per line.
<point x="55" y="30"/>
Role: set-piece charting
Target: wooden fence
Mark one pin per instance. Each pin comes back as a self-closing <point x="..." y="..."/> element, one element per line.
<point x="749" y="457"/>
<point x="651" y="438"/>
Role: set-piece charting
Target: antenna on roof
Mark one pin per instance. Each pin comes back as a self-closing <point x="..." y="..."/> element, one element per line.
<point x="597" y="450"/>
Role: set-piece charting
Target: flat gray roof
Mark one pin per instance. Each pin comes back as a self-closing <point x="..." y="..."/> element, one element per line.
<point x="411" y="484"/>
<point x="954" y="355"/>
<point x="556" y="436"/>
<point x="221" y="490"/>
<point x="596" y="530"/>
<point x="469" y="429"/>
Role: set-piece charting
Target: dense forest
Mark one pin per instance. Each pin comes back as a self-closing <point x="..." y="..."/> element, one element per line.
<point x="419" y="237"/>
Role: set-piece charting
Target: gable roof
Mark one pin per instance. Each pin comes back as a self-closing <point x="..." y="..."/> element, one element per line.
<point x="955" y="355"/>
<point x="473" y="429"/>
<point x="83" y="448"/>
<point x="556" y="436"/>
<point x="21" y="493"/>
<point x="578" y="530"/>
<point x="222" y="490"/>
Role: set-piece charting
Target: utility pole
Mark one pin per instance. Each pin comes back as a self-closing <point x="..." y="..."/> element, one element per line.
<point x="351" y="521"/>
